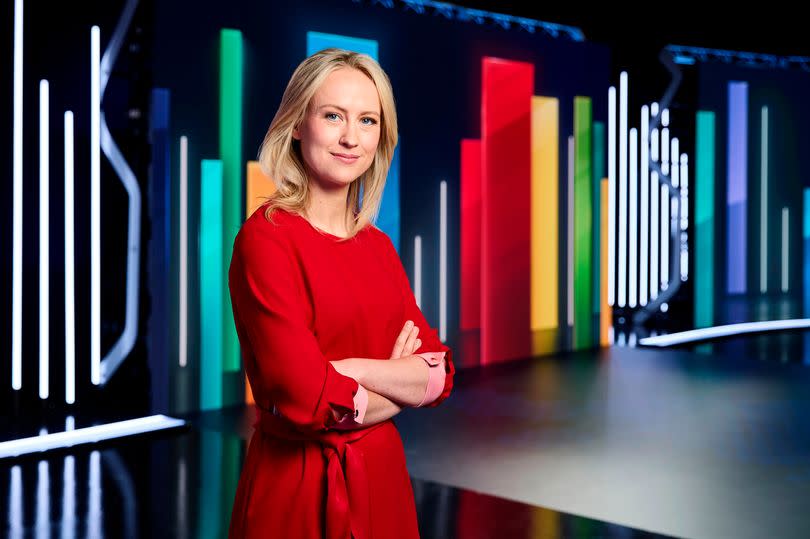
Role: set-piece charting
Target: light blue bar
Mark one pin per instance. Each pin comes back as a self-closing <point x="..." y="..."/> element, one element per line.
<point x="212" y="282"/>
<point x="737" y="188"/>
<point x="388" y="219"/>
<point x="806" y="242"/>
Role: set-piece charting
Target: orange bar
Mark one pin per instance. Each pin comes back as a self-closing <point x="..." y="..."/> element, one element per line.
<point x="259" y="187"/>
<point x="606" y="312"/>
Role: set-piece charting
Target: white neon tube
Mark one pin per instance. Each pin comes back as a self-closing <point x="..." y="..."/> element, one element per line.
<point x="44" y="240"/>
<point x="665" y="118"/>
<point x="674" y="152"/>
<point x="43" y="503"/>
<point x="98" y="433"/>
<point x="68" y="524"/>
<point x="95" y="207"/>
<point x="763" y="204"/>
<point x="654" y="224"/>
<point x="17" y="248"/>
<point x="633" y="280"/>
<point x="693" y="335"/>
<point x="611" y="155"/>
<point x="665" y="151"/>
<point x="645" y="204"/>
<point x="622" y="189"/>
<point x="443" y="261"/>
<point x="684" y="217"/>
<point x="94" y="514"/>
<point x="183" y="292"/>
<point x="417" y="270"/>
<point x="664" y="236"/>
<point x="785" y="250"/>
<point x="70" y="291"/>
<point x="16" y="521"/>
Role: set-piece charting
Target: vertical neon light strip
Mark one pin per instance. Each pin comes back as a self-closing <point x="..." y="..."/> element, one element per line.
<point x="785" y="250"/>
<point x="183" y="278"/>
<point x="645" y="205"/>
<point x="684" y="217"/>
<point x="44" y="240"/>
<point x="737" y="193"/>
<point x="70" y="300"/>
<point x="68" y="524"/>
<point x="654" y="224"/>
<point x="94" y="495"/>
<point x="43" y="522"/>
<point x="606" y="312"/>
<point x="611" y="195"/>
<point x="211" y="284"/>
<point x="17" y="252"/>
<point x="806" y="265"/>
<point x="704" y="219"/>
<point x="763" y="202"/>
<point x="545" y="213"/>
<point x="597" y="173"/>
<point x="675" y="169"/>
<point x="95" y="207"/>
<point x="622" y="189"/>
<point x="443" y="261"/>
<point x="664" y="236"/>
<point x="16" y="526"/>
<point x="570" y="234"/>
<point x="633" y="264"/>
<point x="583" y="224"/>
<point x="665" y="141"/>
<point x="230" y="152"/>
<point x="417" y="270"/>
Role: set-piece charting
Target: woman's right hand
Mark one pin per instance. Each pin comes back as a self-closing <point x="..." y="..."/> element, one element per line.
<point x="407" y="343"/>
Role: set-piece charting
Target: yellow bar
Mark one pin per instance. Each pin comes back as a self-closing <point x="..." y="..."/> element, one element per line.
<point x="605" y="312"/>
<point x="545" y="212"/>
<point x="259" y="187"/>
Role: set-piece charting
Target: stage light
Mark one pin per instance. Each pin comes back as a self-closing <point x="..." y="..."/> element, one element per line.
<point x="763" y="202"/>
<point x="44" y="240"/>
<point x="17" y="247"/>
<point x="95" y="206"/>
<point x="654" y="234"/>
<point x="417" y="270"/>
<point x="645" y="204"/>
<point x="183" y="280"/>
<point x="611" y="194"/>
<point x="443" y="261"/>
<point x="570" y="234"/>
<point x="664" y="236"/>
<point x="70" y="292"/>
<point x="785" y="249"/>
<point x="622" y="189"/>
<point x="694" y="335"/>
<point x="633" y="278"/>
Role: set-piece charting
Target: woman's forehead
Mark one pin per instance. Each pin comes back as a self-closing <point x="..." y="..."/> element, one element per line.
<point x="349" y="89"/>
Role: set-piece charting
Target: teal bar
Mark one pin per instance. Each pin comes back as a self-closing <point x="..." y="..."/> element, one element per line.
<point x="703" y="253"/>
<point x="583" y="224"/>
<point x="230" y="152"/>
<point x="598" y="174"/>
<point x="212" y="285"/>
<point x="210" y="521"/>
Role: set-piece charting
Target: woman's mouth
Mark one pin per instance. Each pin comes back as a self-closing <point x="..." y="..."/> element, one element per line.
<point x="346" y="157"/>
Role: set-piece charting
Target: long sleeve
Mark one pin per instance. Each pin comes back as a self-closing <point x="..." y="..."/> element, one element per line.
<point x="283" y="360"/>
<point x="428" y="335"/>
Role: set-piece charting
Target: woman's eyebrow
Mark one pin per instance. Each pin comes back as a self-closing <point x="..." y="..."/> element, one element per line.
<point x="341" y="109"/>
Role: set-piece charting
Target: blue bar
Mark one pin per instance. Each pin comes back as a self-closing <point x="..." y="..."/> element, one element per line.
<point x="212" y="282"/>
<point x="388" y="219"/>
<point x="806" y="242"/>
<point x="737" y="188"/>
<point x="159" y="204"/>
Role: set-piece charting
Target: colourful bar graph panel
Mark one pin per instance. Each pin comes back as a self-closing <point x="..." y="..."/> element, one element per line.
<point x="212" y="285"/>
<point x="470" y="315"/>
<point x="545" y="217"/>
<point x="583" y="225"/>
<point x="737" y="188"/>
<point x="506" y="93"/>
<point x="598" y="172"/>
<point x="704" y="219"/>
<point x="259" y="187"/>
<point x="230" y="151"/>
<point x="606" y="312"/>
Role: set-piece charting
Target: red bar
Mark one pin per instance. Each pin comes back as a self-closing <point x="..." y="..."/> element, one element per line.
<point x="470" y="300"/>
<point x="506" y="91"/>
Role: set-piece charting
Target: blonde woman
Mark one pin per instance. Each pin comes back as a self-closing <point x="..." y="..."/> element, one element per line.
<point x="333" y="342"/>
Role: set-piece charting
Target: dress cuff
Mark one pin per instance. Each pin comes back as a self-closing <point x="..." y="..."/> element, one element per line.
<point x="436" y="376"/>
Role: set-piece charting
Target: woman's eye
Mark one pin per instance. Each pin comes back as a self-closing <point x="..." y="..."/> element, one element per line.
<point x="371" y="121"/>
<point x="332" y="116"/>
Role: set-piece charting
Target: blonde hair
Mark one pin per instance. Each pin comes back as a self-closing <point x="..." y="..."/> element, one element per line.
<point x="280" y="156"/>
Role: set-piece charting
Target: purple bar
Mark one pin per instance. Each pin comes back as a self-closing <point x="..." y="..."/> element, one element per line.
<point x="737" y="187"/>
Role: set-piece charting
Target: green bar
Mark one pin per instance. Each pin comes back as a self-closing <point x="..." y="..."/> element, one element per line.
<point x="583" y="225"/>
<point x="212" y="285"/>
<point x="598" y="174"/>
<point x="704" y="219"/>
<point x="230" y="152"/>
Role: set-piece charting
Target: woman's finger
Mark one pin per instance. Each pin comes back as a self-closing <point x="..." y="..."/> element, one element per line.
<point x="409" y="347"/>
<point x="399" y="344"/>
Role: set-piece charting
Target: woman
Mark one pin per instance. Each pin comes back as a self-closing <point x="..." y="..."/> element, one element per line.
<point x="328" y="325"/>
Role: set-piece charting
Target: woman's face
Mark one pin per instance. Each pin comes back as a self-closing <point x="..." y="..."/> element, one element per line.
<point x="341" y="128"/>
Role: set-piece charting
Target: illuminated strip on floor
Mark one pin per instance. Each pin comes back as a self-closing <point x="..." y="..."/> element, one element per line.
<point x="17" y="248"/>
<point x="16" y="529"/>
<point x="763" y="202"/>
<point x="95" y="207"/>
<point x="70" y="289"/>
<point x="183" y="285"/>
<point x="443" y="261"/>
<point x="417" y="270"/>
<point x="43" y="503"/>
<point x="622" y="299"/>
<point x="633" y="279"/>
<point x="68" y="523"/>
<point x="44" y="239"/>
<point x="87" y="435"/>
<point x="94" y="486"/>
<point x="611" y="236"/>
<point x="785" y="249"/>
<point x="570" y="235"/>
<point x="716" y="332"/>
<point x="644" y="257"/>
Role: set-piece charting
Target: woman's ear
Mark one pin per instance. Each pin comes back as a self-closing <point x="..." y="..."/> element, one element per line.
<point x="296" y="134"/>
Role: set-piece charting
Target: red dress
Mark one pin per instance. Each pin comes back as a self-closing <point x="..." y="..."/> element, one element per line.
<point x="300" y="299"/>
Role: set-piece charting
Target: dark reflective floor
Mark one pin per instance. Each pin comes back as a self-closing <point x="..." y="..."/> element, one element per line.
<point x="626" y="442"/>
